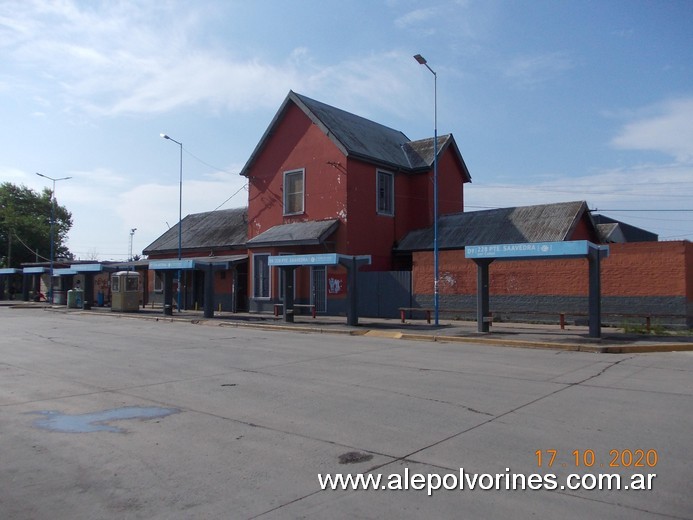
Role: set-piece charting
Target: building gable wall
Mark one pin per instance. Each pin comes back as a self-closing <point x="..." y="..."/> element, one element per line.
<point x="296" y="143"/>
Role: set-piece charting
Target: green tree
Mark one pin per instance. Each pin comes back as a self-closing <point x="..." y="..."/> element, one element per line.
<point x="25" y="226"/>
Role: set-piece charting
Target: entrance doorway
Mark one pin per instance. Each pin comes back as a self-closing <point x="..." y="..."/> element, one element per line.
<point x="318" y="288"/>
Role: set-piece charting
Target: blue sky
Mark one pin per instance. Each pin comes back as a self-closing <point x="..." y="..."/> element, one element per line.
<point x="549" y="101"/>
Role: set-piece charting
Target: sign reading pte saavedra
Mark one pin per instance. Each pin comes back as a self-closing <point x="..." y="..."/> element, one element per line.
<point x="575" y="248"/>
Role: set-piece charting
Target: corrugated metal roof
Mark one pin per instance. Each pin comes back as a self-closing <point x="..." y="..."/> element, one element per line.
<point x="312" y="232"/>
<point x="541" y="223"/>
<point x="362" y="138"/>
<point x="221" y="229"/>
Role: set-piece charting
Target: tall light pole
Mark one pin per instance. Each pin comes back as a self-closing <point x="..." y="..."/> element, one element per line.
<point x="132" y="234"/>
<point x="180" y="210"/>
<point x="436" y="296"/>
<point x="50" y="283"/>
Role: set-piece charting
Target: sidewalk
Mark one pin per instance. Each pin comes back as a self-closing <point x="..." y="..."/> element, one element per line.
<point x="524" y="335"/>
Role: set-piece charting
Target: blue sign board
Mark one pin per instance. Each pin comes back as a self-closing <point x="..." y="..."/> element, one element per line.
<point x="171" y="264"/>
<point x="87" y="268"/>
<point x="316" y="259"/>
<point x="35" y="270"/>
<point x="571" y="249"/>
<point x="10" y="270"/>
<point x="63" y="271"/>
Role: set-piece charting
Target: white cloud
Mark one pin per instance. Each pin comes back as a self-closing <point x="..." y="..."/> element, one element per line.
<point x="130" y="58"/>
<point x="385" y="82"/>
<point x="530" y="70"/>
<point x="103" y="217"/>
<point x="670" y="131"/>
<point x="648" y="187"/>
<point x="416" y="17"/>
<point x="144" y="58"/>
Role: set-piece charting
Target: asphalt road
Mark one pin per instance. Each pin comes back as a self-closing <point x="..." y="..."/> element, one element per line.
<point x="107" y="417"/>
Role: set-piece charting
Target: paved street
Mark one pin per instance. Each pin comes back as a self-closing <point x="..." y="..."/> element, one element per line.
<point x="209" y="421"/>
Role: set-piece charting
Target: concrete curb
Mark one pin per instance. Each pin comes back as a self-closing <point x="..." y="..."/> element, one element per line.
<point x="595" y="347"/>
<point x="488" y="341"/>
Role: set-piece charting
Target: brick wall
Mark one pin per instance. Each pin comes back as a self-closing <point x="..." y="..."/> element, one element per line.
<point x="646" y="277"/>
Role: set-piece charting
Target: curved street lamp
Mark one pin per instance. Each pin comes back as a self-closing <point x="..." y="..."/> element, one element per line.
<point x="50" y="289"/>
<point x="436" y="296"/>
<point x="180" y="209"/>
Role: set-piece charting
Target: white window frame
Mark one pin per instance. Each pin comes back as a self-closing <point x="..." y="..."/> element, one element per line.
<point x="391" y="188"/>
<point x="158" y="282"/>
<point x="287" y="175"/>
<point x="269" y="277"/>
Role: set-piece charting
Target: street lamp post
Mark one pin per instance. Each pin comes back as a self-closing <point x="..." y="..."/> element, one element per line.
<point x="436" y="295"/>
<point x="50" y="283"/>
<point x="132" y="235"/>
<point x="180" y="211"/>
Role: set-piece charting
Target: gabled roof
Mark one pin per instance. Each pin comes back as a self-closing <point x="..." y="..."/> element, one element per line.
<point x="312" y="232"/>
<point x="542" y="223"/>
<point x="222" y="229"/>
<point x="612" y="230"/>
<point x="361" y="138"/>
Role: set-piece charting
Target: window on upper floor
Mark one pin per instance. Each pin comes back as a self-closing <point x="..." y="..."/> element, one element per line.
<point x="385" y="195"/>
<point x="294" y="192"/>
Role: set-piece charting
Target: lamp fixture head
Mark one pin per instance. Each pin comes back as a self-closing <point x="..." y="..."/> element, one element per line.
<point x="420" y="59"/>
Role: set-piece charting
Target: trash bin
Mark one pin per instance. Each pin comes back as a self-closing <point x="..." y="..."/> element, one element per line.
<point x="75" y="298"/>
<point x="99" y="299"/>
<point x="59" y="297"/>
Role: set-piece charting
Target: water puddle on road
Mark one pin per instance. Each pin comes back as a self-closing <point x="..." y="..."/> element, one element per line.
<point x="98" y="421"/>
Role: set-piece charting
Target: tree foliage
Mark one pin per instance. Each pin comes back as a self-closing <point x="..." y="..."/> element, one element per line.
<point x="25" y="226"/>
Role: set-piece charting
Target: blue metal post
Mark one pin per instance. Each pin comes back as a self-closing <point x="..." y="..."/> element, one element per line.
<point x="436" y="293"/>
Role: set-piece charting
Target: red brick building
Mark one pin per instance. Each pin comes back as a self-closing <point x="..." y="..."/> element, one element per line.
<point x="322" y="180"/>
<point x="638" y="279"/>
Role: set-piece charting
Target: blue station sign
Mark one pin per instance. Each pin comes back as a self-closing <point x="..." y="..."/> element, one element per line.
<point x="316" y="259"/>
<point x="157" y="265"/>
<point x="35" y="270"/>
<point x="570" y="249"/>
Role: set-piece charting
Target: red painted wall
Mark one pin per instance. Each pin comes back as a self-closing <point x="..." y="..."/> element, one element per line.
<point x="296" y="143"/>
<point x="374" y="234"/>
<point x="344" y="188"/>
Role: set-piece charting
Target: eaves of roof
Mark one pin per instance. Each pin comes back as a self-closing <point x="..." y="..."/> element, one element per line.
<point x="540" y="223"/>
<point x="313" y="232"/>
<point x="221" y="229"/>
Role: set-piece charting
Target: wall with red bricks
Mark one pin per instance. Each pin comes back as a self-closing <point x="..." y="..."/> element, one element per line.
<point x="636" y="269"/>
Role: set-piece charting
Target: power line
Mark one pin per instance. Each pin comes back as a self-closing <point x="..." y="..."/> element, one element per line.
<point x="636" y="210"/>
<point x="204" y="162"/>
<point x="31" y="250"/>
<point x="232" y="196"/>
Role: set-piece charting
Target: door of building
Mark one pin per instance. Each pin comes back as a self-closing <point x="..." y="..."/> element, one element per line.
<point x="318" y="288"/>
